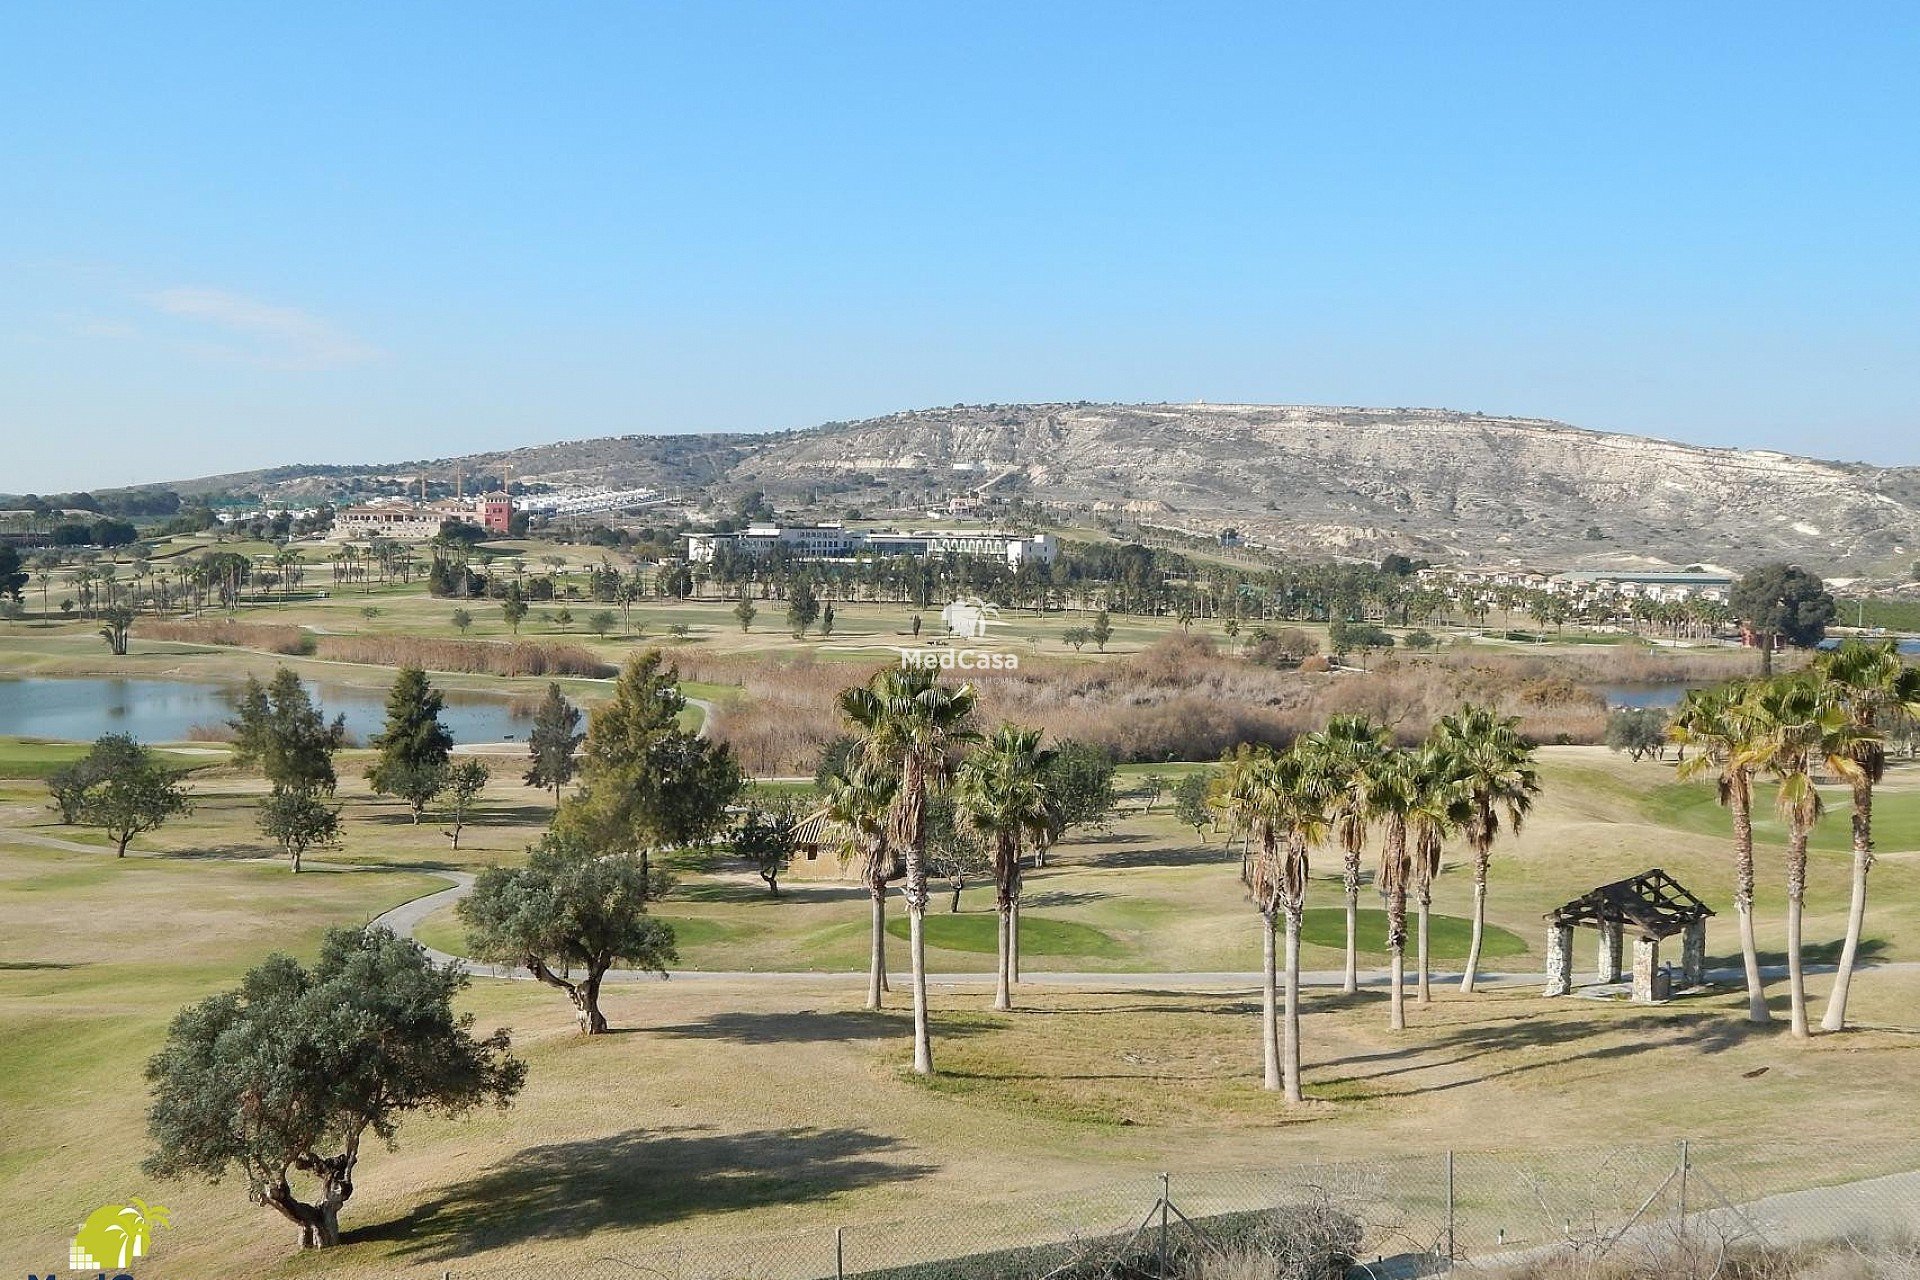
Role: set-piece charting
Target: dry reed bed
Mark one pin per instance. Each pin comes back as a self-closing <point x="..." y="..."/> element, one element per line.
<point x="1183" y="699"/>
<point x="465" y="657"/>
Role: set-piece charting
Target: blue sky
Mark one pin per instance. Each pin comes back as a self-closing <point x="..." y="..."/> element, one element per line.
<point x="244" y="235"/>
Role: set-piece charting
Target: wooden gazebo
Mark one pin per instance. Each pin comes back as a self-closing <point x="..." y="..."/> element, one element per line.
<point x="1654" y="906"/>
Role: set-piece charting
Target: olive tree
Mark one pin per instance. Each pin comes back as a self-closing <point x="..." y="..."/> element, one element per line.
<point x="570" y="909"/>
<point x="465" y="782"/>
<point x="283" y="1078"/>
<point x="126" y="791"/>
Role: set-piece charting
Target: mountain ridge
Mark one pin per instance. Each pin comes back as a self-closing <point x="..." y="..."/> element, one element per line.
<point x="1343" y="480"/>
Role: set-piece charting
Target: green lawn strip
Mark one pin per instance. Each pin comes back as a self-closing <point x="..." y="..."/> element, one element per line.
<point x="36" y="758"/>
<point x="1691" y="806"/>
<point x="1448" y="936"/>
<point x="975" y="932"/>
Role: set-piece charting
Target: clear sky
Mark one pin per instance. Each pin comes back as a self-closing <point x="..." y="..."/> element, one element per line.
<point x="249" y="234"/>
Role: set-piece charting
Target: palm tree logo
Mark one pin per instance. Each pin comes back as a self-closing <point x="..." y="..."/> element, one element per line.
<point x="114" y="1235"/>
<point x="969" y="617"/>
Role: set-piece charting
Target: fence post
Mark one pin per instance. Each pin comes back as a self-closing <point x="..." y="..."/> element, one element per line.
<point x="1684" y="1162"/>
<point x="1452" y="1252"/>
<point x="840" y="1253"/>
<point x="1166" y="1202"/>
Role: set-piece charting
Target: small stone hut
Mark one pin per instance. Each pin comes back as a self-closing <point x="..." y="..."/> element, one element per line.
<point x="1653" y="906"/>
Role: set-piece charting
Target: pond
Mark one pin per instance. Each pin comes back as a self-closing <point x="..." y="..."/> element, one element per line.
<point x="81" y="709"/>
<point x="1663" y="697"/>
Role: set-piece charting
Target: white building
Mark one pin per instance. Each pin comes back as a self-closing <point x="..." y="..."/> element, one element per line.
<point x="1663" y="587"/>
<point x="579" y="502"/>
<point x="836" y="542"/>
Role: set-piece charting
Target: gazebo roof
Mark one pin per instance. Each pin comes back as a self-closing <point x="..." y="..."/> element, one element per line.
<point x="1653" y="903"/>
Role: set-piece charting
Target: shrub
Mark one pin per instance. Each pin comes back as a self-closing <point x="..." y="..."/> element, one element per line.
<point x="467" y="657"/>
<point x="271" y="636"/>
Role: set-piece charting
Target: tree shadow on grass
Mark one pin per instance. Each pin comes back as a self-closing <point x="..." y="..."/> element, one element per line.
<point x="722" y="891"/>
<point x="513" y="815"/>
<point x="638" y="1179"/>
<point x="807" y="1026"/>
<point x="1063" y="898"/>
<point x="224" y="853"/>
<point x="1871" y="950"/>
<point x="1532" y="1041"/>
<point x="1158" y="856"/>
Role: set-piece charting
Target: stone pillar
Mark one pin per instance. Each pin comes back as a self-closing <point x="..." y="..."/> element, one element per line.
<point x="1693" y="953"/>
<point x="1559" y="958"/>
<point x="1612" y="944"/>
<point x="1646" y="967"/>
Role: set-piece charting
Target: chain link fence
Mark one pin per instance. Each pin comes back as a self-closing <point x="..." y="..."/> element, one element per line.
<point x="1376" y="1220"/>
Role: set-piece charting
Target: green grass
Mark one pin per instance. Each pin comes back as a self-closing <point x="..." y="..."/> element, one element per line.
<point x="1447" y="936"/>
<point x="1691" y="806"/>
<point x="443" y="932"/>
<point x="37" y="758"/>
<point x="976" y="932"/>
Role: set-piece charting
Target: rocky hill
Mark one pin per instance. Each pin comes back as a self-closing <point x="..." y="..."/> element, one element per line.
<point x="1348" y="481"/>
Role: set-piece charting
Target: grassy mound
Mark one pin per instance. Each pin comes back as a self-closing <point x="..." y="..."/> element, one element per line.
<point x="1447" y="936"/>
<point x="974" y="931"/>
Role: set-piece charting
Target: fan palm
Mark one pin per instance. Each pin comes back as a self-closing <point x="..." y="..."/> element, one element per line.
<point x="859" y="802"/>
<point x="912" y="722"/>
<point x="1280" y="799"/>
<point x="1797" y="726"/>
<point x="1002" y="795"/>
<point x="1494" y="763"/>
<point x="1347" y="748"/>
<point x="1440" y="805"/>
<point x="1876" y="690"/>
<point x="1714" y="724"/>
<point x="1392" y="796"/>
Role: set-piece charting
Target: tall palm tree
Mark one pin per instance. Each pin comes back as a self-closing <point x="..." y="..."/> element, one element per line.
<point x="1876" y="689"/>
<point x="1002" y="796"/>
<point x="1347" y="749"/>
<point x="1494" y="762"/>
<point x="1440" y="805"/>
<point x="912" y="723"/>
<point x="859" y="801"/>
<point x="1306" y="790"/>
<point x="1283" y="800"/>
<point x="1251" y="796"/>
<point x="1392" y="796"/>
<point x="1227" y="780"/>
<point x="1798" y="727"/>
<point x="1715" y="725"/>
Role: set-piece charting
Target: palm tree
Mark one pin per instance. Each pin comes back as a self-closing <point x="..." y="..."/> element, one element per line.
<point x="1250" y="797"/>
<point x="1305" y="789"/>
<point x="1347" y="748"/>
<point x="1282" y="799"/>
<point x="1716" y="724"/>
<point x="1494" y="763"/>
<point x="1876" y="689"/>
<point x="1441" y="805"/>
<point x="911" y="723"/>
<point x="859" y="800"/>
<point x="1797" y="725"/>
<point x="1003" y="797"/>
<point x="1392" y="795"/>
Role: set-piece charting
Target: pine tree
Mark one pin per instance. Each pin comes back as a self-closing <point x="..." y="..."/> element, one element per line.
<point x="555" y="736"/>
<point x="413" y="747"/>
<point x="803" y="607"/>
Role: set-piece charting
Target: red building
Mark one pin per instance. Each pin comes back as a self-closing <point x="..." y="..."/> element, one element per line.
<point x="495" y="511"/>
